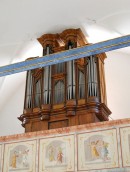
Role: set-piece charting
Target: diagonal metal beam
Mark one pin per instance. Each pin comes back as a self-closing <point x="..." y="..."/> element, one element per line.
<point x="76" y="53"/>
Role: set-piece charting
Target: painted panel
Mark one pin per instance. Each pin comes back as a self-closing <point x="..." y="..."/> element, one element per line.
<point x="97" y="150"/>
<point x="125" y="145"/>
<point x="56" y="154"/>
<point x="20" y="156"/>
<point x="0" y="158"/>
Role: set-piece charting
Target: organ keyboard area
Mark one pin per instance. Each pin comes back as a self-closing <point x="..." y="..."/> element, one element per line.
<point x="65" y="94"/>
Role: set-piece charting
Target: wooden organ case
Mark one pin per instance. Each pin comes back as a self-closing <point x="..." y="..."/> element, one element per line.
<point x="65" y="94"/>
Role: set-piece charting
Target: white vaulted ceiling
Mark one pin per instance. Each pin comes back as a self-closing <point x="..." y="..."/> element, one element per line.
<point x="22" y="22"/>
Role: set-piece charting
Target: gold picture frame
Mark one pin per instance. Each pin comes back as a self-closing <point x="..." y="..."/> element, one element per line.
<point x="97" y="150"/>
<point x="56" y="154"/>
<point x="20" y="156"/>
<point x="125" y="146"/>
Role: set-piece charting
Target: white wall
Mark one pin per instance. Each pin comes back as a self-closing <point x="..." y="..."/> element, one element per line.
<point x="12" y="104"/>
<point x="117" y="69"/>
<point x="12" y="90"/>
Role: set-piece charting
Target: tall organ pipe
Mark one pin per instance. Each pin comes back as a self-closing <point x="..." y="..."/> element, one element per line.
<point x="81" y="85"/>
<point x="92" y="76"/>
<point x="47" y="82"/>
<point x="70" y="79"/>
<point x="28" y="103"/>
<point x="37" y="93"/>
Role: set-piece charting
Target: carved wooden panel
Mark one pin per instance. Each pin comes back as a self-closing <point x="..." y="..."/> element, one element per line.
<point x="58" y="124"/>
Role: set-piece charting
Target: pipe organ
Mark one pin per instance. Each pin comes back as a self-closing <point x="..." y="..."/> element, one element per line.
<point x="65" y="94"/>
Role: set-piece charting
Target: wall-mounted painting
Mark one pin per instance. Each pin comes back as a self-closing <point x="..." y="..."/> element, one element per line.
<point x="0" y="157"/>
<point x="56" y="154"/>
<point x="20" y="156"/>
<point x="125" y="145"/>
<point x="97" y="150"/>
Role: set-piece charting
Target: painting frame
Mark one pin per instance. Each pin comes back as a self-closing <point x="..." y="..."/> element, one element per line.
<point x="20" y="155"/>
<point x="96" y="151"/>
<point x="125" y="146"/>
<point x="54" y="154"/>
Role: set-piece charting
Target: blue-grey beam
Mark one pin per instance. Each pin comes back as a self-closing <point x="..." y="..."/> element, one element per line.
<point x="64" y="56"/>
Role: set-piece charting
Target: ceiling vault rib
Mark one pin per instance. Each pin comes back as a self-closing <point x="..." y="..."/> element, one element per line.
<point x="76" y="53"/>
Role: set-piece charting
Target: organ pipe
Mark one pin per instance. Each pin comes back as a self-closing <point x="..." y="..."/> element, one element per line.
<point x="70" y="79"/>
<point x="37" y="94"/>
<point x="59" y="92"/>
<point x="81" y="84"/>
<point x="92" y="76"/>
<point x="47" y="82"/>
<point x="29" y="87"/>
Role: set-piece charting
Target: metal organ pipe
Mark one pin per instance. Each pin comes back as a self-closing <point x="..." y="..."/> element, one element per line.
<point x="45" y="72"/>
<point x="92" y="76"/>
<point x="89" y="78"/>
<point x="70" y="79"/>
<point x="29" y="91"/>
<point x="81" y="85"/>
<point x="59" y="92"/>
<point x="96" y="84"/>
<point x="73" y="73"/>
<point x="37" y="93"/>
<point x="47" y="82"/>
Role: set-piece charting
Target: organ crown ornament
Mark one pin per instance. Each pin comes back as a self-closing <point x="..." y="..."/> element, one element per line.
<point x="65" y="94"/>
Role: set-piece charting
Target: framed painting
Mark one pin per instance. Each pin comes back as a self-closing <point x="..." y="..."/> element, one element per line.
<point x="97" y="150"/>
<point x="20" y="156"/>
<point x="125" y="146"/>
<point x="57" y="154"/>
